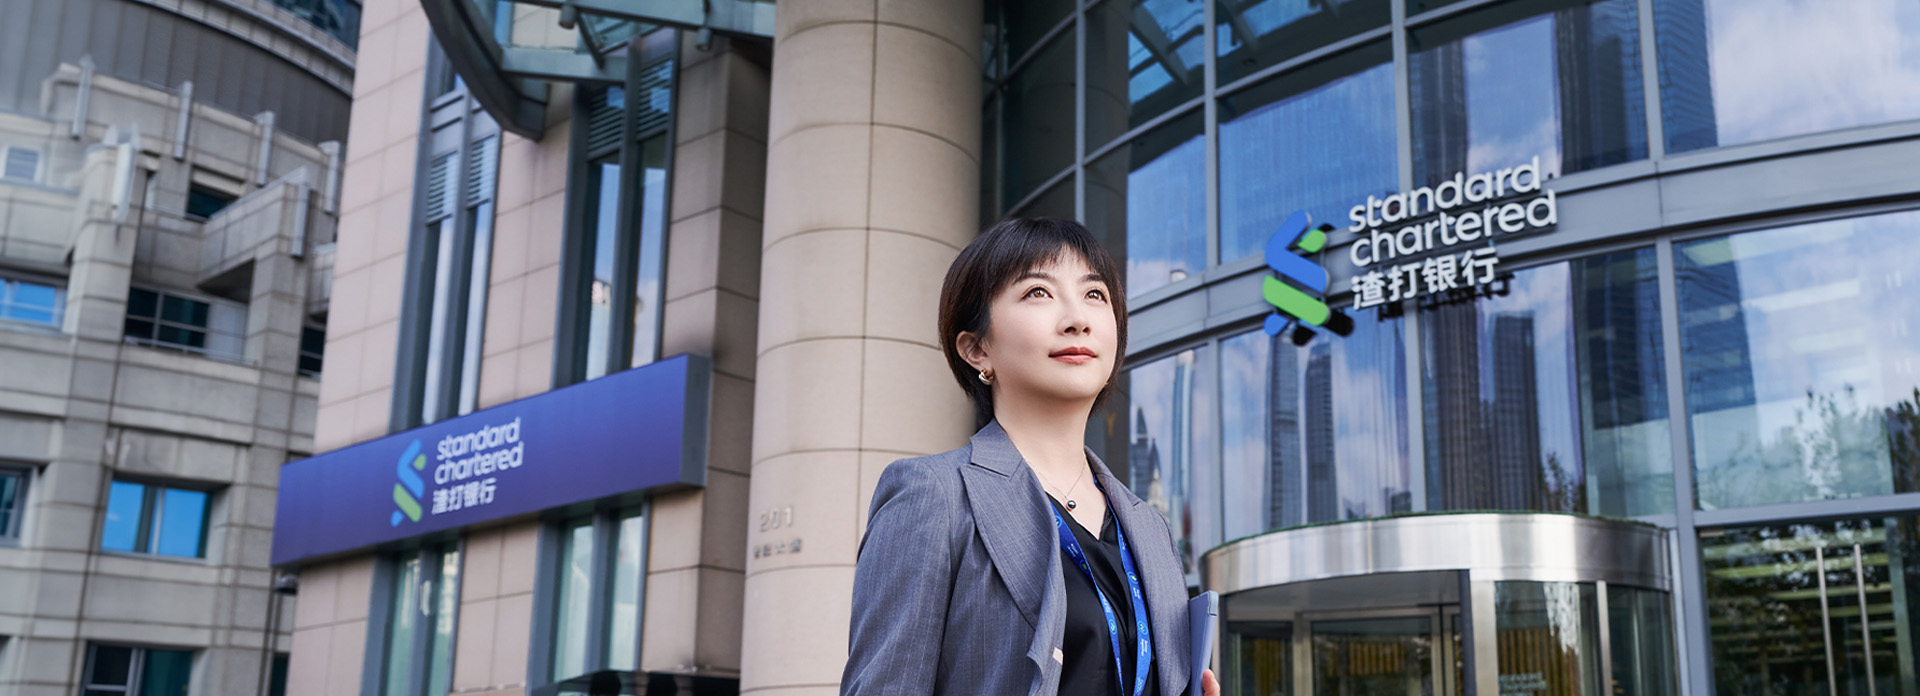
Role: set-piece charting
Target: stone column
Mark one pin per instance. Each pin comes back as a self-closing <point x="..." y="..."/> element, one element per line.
<point x="872" y="189"/>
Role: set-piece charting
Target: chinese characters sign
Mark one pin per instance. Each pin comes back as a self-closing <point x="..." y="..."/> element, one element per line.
<point x="1436" y="274"/>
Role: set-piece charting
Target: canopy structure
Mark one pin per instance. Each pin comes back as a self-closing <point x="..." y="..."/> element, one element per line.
<point x="508" y="51"/>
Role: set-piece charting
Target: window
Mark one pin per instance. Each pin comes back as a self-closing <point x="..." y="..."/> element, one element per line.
<point x="612" y="273"/>
<point x="115" y="669"/>
<point x="156" y="519"/>
<point x="422" y="602"/>
<point x="277" y="679"/>
<point x="32" y="302"/>
<point x="1254" y="35"/>
<point x="13" y="502"/>
<point x="593" y="621"/>
<point x="203" y="202"/>
<point x="313" y="345"/>
<point x="1555" y="80"/>
<point x="22" y="164"/>
<point x="1143" y="58"/>
<point x="1736" y="72"/>
<point x="1146" y="437"/>
<point x="1796" y="347"/>
<point x="161" y="319"/>
<point x="1148" y="198"/>
<point x="451" y="257"/>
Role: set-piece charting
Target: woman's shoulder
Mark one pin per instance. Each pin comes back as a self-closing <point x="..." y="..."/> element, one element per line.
<point x="936" y="475"/>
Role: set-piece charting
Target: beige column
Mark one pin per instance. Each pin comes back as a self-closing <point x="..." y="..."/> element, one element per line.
<point x="872" y="189"/>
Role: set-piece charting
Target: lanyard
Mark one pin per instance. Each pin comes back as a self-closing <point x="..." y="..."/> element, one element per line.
<point x="1144" y="656"/>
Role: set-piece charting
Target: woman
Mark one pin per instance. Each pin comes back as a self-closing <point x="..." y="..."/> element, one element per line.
<point x="999" y="567"/>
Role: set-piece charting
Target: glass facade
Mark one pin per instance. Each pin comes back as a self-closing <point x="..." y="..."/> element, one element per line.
<point x="1781" y="326"/>
<point x="156" y="519"/>
<point x="1734" y="71"/>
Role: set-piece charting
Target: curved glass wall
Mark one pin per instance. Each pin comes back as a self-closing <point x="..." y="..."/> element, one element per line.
<point x="1257" y="34"/>
<point x="1500" y="87"/>
<point x="1738" y="71"/>
<point x="1156" y="184"/>
<point x="1153" y="434"/>
<point x="1801" y="369"/>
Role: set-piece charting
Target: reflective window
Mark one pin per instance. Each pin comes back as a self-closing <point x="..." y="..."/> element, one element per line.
<point x="1549" y="395"/>
<point x="1057" y="201"/>
<point x="204" y="202"/>
<point x="1392" y="655"/>
<point x="1148" y="200"/>
<point x="1316" y="433"/>
<point x="167" y="320"/>
<point x="613" y="275"/>
<point x="13" y="502"/>
<point x="603" y="226"/>
<point x="1801" y="374"/>
<point x="1028" y="21"/>
<point x="1161" y="447"/>
<point x="34" y="303"/>
<point x="313" y="349"/>
<point x="1640" y="632"/>
<point x="1258" y="657"/>
<point x="1143" y="57"/>
<point x="114" y="669"/>
<point x="1500" y="87"/>
<point x="1738" y="71"/>
<point x="596" y="594"/>
<point x="422" y="608"/>
<point x="146" y="518"/>
<point x="1039" y="126"/>
<point x="1316" y="139"/>
<point x="1813" y="608"/>
<point x="1255" y="34"/>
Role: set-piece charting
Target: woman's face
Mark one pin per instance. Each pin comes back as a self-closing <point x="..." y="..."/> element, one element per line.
<point x="1050" y="335"/>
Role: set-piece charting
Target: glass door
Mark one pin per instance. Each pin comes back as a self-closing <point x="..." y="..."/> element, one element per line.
<point x="1378" y="656"/>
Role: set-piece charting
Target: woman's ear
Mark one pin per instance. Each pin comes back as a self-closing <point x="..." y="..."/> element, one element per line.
<point x="973" y="350"/>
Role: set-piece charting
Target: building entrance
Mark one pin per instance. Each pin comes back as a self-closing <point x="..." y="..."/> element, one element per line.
<point x="1453" y="605"/>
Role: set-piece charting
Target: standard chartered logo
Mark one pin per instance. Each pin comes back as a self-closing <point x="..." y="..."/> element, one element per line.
<point x="1296" y="295"/>
<point x="411" y="488"/>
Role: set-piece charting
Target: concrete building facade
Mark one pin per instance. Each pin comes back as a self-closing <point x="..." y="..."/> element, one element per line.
<point x="166" y="260"/>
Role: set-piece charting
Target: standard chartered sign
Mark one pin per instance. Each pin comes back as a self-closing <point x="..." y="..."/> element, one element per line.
<point x="1455" y="248"/>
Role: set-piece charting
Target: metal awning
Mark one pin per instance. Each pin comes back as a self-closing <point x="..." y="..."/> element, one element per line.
<point x="508" y="51"/>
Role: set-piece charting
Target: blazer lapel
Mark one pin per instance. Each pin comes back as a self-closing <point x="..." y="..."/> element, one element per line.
<point x="1010" y="512"/>
<point x="1160" y="578"/>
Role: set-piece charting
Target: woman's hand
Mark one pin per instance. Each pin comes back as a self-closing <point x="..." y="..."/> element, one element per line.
<point x="1208" y="685"/>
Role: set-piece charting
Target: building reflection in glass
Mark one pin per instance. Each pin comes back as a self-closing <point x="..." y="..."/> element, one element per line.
<point x="1148" y="202"/>
<point x="1498" y="87"/>
<point x="1801" y="370"/>
<point x="1741" y="71"/>
<point x="1166" y="402"/>
<point x="1314" y="434"/>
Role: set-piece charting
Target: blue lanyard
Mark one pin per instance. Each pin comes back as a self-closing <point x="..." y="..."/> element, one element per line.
<point x="1144" y="656"/>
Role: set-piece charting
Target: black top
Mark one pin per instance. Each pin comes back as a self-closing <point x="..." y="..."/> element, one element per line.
<point x="1087" y="660"/>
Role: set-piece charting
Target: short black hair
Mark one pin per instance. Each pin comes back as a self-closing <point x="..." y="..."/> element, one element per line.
<point x="997" y="258"/>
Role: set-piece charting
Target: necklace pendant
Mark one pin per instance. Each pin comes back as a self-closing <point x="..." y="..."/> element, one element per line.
<point x="1071" y="505"/>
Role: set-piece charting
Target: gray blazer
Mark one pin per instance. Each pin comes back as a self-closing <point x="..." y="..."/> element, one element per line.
<point x="960" y="587"/>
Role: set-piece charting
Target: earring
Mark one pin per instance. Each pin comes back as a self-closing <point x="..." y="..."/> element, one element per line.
<point x="986" y="377"/>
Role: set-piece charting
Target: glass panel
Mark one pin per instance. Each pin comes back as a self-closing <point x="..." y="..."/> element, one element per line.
<point x="1316" y="433"/>
<point x="1148" y="201"/>
<point x="1785" y="604"/>
<point x="647" y="289"/>
<point x="1621" y="364"/>
<point x="1259" y="658"/>
<point x="433" y="402"/>
<point x="1498" y="383"/>
<point x="623" y="627"/>
<point x="1029" y="20"/>
<point x="1802" y="382"/>
<point x="166" y="672"/>
<point x="121" y="531"/>
<point x="142" y="303"/>
<point x="446" y="608"/>
<point x="1549" y="638"/>
<point x="1256" y="34"/>
<point x="603" y="222"/>
<point x="1317" y="139"/>
<point x="139" y="329"/>
<point x="180" y="525"/>
<point x="1171" y="453"/>
<point x="1640" y="626"/>
<point x="990" y="162"/>
<point x="12" y="502"/>
<point x="570" y="615"/>
<point x="479" y="279"/>
<point x="1039" y="120"/>
<point x="401" y="627"/>
<point x="1373" y="656"/>
<point x="180" y="310"/>
<point x="203" y="203"/>
<point x="111" y="666"/>
<point x="1143" y="57"/>
<point x="1498" y="88"/>
<point x="277" y="679"/>
<point x="1736" y="71"/>
<point x="1056" y="202"/>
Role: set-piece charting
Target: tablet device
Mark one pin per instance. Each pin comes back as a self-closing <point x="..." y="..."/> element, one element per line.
<point x="1203" y="620"/>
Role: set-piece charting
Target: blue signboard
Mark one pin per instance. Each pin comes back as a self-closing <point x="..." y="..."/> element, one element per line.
<point x="638" y="430"/>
